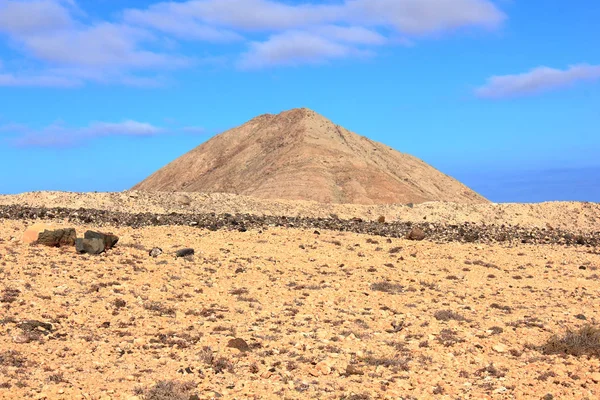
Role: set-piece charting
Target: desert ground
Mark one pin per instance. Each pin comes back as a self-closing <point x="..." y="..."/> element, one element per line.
<point x="299" y="312"/>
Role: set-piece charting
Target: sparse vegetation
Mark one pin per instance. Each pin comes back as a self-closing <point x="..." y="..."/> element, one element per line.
<point x="448" y="315"/>
<point x="12" y="358"/>
<point x="167" y="390"/>
<point x="159" y="308"/>
<point x="398" y="362"/>
<point x="387" y="287"/>
<point x="9" y="295"/>
<point x="584" y="341"/>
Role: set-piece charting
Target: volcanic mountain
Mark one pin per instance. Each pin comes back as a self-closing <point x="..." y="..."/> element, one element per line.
<point x="301" y="155"/>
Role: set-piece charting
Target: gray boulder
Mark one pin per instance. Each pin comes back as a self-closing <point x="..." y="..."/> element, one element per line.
<point x="90" y="246"/>
<point x="108" y="239"/>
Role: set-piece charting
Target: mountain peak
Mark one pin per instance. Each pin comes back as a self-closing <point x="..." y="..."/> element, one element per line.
<point x="301" y="155"/>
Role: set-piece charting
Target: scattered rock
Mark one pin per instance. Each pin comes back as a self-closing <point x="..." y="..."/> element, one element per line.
<point x="595" y="377"/>
<point x="58" y="237"/>
<point x="32" y="233"/>
<point x="108" y="239"/>
<point x="239" y="344"/>
<point x="437" y="231"/>
<point x="381" y="219"/>
<point x="21" y="338"/>
<point x="89" y="246"/>
<point x="185" y="252"/>
<point x="323" y="368"/>
<point x="32" y="325"/>
<point x="183" y="200"/>
<point x="416" y="234"/>
<point x="353" y="370"/>
<point x="155" y="252"/>
<point x="500" y="348"/>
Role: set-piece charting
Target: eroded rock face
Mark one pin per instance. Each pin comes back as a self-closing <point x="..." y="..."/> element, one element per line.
<point x="58" y="237"/>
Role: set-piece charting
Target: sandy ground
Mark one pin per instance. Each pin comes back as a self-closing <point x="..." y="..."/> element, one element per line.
<point x="572" y="216"/>
<point x="326" y="315"/>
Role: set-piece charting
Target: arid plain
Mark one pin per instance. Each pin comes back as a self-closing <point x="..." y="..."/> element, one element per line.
<point x="298" y="312"/>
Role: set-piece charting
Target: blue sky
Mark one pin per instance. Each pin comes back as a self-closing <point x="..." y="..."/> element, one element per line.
<point x="503" y="95"/>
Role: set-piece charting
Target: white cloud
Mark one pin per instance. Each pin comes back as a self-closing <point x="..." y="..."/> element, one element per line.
<point x="130" y="49"/>
<point x="45" y="31"/>
<point x="127" y="128"/>
<point x="293" y="48"/>
<point x="409" y="16"/>
<point x="246" y="15"/>
<point x="537" y="80"/>
<point x="33" y="16"/>
<point x="102" y="45"/>
<point x="351" y="34"/>
<point x="10" y="80"/>
<point x="425" y="16"/>
<point x="13" y="128"/>
<point x="58" y="135"/>
<point x="180" y="25"/>
<point x="332" y="28"/>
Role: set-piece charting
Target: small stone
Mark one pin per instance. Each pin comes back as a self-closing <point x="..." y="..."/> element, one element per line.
<point x="21" y="338"/>
<point x="185" y="252"/>
<point x="595" y="377"/>
<point x="352" y="370"/>
<point x="266" y="375"/>
<point x="323" y="368"/>
<point x="109" y="239"/>
<point x="500" y="348"/>
<point x="58" y="237"/>
<point x="155" y="252"/>
<point x="89" y="246"/>
<point x="381" y="219"/>
<point x="416" y="234"/>
<point x="239" y="344"/>
<point x="32" y="325"/>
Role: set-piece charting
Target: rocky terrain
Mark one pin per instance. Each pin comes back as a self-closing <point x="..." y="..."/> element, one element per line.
<point x="571" y="216"/>
<point x="301" y="155"/>
<point x="284" y="300"/>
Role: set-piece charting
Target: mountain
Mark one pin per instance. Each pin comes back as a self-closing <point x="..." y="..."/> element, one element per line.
<point x="301" y="155"/>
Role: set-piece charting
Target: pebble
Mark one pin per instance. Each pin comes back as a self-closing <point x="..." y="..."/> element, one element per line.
<point x="500" y="348"/>
<point x="155" y="252"/>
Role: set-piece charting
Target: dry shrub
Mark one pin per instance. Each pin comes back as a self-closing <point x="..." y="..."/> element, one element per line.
<point x="582" y="342"/>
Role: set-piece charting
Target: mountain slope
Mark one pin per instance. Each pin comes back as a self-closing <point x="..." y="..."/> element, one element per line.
<point x="301" y="155"/>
